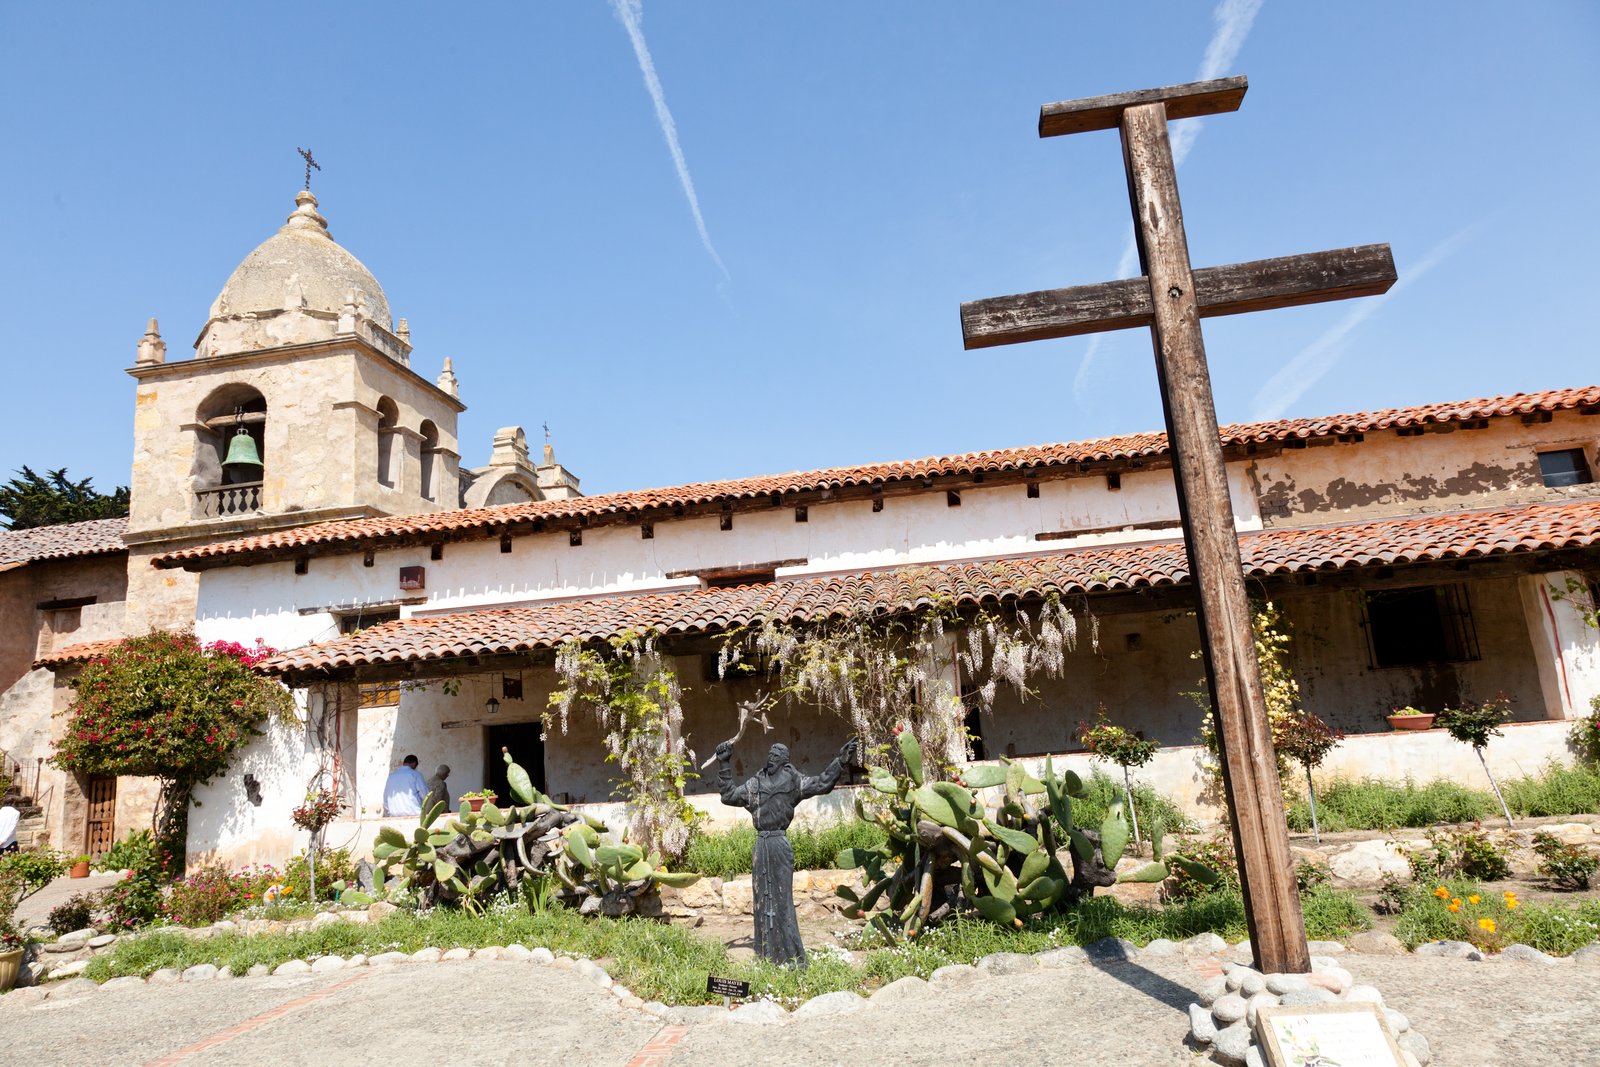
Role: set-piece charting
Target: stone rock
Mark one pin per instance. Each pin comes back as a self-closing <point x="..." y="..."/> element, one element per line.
<point x="1569" y="833"/>
<point x="541" y="955"/>
<point x="593" y="972"/>
<point x="654" y="1007"/>
<point x="1161" y="946"/>
<point x="22" y="998"/>
<point x="328" y="963"/>
<point x="1008" y="963"/>
<point x="1251" y="983"/>
<point x="77" y="937"/>
<point x="224" y="925"/>
<point x="224" y="972"/>
<point x="1066" y="956"/>
<point x="326" y="918"/>
<point x="1228" y="1009"/>
<point x="1231" y="1043"/>
<point x="63" y="947"/>
<point x="1243" y="953"/>
<point x="760" y="1012"/>
<point x="1111" y="950"/>
<point x="841" y="1003"/>
<point x="1417" y="1045"/>
<point x="289" y="968"/>
<point x="955" y="973"/>
<point x="1376" y="943"/>
<point x="706" y="893"/>
<point x="380" y="910"/>
<point x="122" y="983"/>
<point x="1284" y="983"/>
<point x="488" y="952"/>
<point x="1299" y="998"/>
<point x="388" y="959"/>
<point x="1213" y="988"/>
<point x="101" y="941"/>
<point x="72" y="987"/>
<point x="899" y="989"/>
<point x="800" y="884"/>
<point x="68" y="970"/>
<point x="1364" y="994"/>
<point x="697" y="1014"/>
<point x="168" y="975"/>
<point x="260" y="970"/>
<point x="1261" y="1000"/>
<point x="1201" y="1026"/>
<point x="358" y="960"/>
<point x="563" y="963"/>
<point x="738" y="897"/>
<point x="516" y="953"/>
<point x="1398" y="1023"/>
<point x="1587" y="954"/>
<point x="200" y="972"/>
<point x="1526" y="954"/>
<point x="1323" y="963"/>
<point x="1366" y="862"/>
<point x="1203" y="944"/>
<point x="457" y="954"/>
<point x="1459" y="950"/>
<point x="824" y="884"/>
<point x="1252" y="1057"/>
<point x="1332" y="982"/>
<point x="357" y="917"/>
<point x="1324" y="948"/>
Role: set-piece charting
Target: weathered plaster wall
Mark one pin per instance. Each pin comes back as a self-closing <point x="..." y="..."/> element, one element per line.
<point x="1386" y="474"/>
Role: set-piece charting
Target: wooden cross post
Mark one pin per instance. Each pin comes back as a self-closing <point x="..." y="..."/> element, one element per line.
<point x="1172" y="298"/>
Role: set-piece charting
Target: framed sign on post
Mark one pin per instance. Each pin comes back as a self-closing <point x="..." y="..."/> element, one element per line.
<point x="1326" y="1035"/>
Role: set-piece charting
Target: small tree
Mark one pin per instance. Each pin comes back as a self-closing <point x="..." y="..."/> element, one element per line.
<point x="28" y="500"/>
<point x="1475" y="724"/>
<point x="164" y="706"/>
<point x="321" y="807"/>
<point x="1303" y="737"/>
<point x="1108" y="741"/>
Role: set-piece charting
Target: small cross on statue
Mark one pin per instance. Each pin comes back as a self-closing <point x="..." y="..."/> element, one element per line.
<point x="547" y="433"/>
<point x="305" y="154"/>
<point x="1171" y="298"/>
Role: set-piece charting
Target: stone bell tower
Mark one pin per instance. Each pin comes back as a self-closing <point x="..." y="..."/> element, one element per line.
<point x="299" y="406"/>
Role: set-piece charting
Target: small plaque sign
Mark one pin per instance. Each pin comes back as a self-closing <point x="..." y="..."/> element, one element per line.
<point x="413" y="577"/>
<point x="726" y="987"/>
<point x="1325" y="1035"/>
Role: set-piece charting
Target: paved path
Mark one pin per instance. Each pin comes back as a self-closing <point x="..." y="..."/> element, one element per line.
<point x="1494" y="1014"/>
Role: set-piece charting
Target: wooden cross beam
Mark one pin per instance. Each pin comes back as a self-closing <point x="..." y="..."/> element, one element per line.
<point x="1171" y="297"/>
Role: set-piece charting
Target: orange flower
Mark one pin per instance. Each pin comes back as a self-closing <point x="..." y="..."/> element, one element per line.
<point x="1441" y="892"/>
<point x="1486" y="924"/>
<point x="1473" y="899"/>
<point x="1511" y="903"/>
<point x="1454" y="905"/>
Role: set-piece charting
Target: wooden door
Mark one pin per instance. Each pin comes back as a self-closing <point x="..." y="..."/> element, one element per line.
<point x="102" y="831"/>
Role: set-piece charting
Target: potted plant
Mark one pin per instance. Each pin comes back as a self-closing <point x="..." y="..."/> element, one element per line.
<point x="478" y="799"/>
<point x="1409" y="718"/>
<point x="21" y="874"/>
<point x="78" y="867"/>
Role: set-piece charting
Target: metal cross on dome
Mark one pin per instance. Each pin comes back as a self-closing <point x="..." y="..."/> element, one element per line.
<point x="1171" y="298"/>
<point x="305" y="153"/>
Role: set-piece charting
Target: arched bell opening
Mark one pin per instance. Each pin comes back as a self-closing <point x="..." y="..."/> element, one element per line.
<point x="430" y="459"/>
<point x="230" y="451"/>
<point x="388" y="441"/>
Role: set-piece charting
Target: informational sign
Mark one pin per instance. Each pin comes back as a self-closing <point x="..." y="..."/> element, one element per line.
<point x="726" y="987"/>
<point x="1326" y="1035"/>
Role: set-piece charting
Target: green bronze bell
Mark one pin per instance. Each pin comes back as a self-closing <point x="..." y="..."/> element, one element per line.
<point x="242" y="451"/>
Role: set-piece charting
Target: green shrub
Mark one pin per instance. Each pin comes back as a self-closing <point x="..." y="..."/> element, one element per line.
<point x="74" y="913"/>
<point x="1464" y="853"/>
<point x="136" y="852"/>
<point x="727" y="853"/>
<point x="1371" y="804"/>
<point x="1555" y="790"/>
<point x="332" y="865"/>
<point x="1152" y="807"/>
<point x="1568" y="866"/>
<point x="133" y="902"/>
<point x="1331" y="913"/>
<point x="211" y="893"/>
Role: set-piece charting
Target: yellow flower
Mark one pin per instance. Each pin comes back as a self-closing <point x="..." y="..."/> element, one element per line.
<point x="1473" y="899"/>
<point x="1454" y="905"/>
<point x="1441" y="892"/>
<point x="1486" y="924"/>
<point x="1511" y="903"/>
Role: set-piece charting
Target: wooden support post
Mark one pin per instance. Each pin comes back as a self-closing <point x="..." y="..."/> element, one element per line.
<point x="1249" y="766"/>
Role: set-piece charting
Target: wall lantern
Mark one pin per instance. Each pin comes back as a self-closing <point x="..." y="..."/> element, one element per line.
<point x="492" y="706"/>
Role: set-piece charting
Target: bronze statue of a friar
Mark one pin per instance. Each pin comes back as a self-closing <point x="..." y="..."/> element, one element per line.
<point x="771" y="796"/>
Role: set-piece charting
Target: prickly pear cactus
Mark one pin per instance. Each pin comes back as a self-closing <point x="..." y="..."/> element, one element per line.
<point x="471" y="857"/>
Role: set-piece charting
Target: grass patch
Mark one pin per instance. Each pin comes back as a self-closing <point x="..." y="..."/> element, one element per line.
<point x="1559" y="929"/>
<point x="1371" y="804"/>
<point x="1100" y="789"/>
<point x="727" y="853"/>
<point x="1555" y="790"/>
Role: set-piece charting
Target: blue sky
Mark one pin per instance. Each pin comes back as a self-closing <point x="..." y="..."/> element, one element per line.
<point x="860" y="169"/>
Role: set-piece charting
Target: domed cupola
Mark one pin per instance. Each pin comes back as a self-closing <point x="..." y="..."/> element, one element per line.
<point x="299" y="286"/>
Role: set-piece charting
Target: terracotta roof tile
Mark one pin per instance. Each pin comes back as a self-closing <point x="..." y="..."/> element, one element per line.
<point x="1130" y="446"/>
<point x="82" y="652"/>
<point x="93" y="538"/>
<point x="1274" y="552"/>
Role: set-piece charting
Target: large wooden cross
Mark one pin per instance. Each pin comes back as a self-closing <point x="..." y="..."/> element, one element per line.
<point x="1172" y="298"/>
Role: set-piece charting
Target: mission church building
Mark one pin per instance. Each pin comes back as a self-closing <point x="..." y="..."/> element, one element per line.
<point x="1420" y="556"/>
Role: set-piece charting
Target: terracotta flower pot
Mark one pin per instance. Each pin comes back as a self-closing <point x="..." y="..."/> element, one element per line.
<point x="79" y="870"/>
<point x="1410" y="722"/>
<point x="477" y="803"/>
<point x="10" y="967"/>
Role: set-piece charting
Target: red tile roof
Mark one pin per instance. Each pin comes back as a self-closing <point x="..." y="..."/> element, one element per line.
<point x="1091" y="570"/>
<point x="82" y="652"/>
<point x="357" y="534"/>
<point x="93" y="538"/>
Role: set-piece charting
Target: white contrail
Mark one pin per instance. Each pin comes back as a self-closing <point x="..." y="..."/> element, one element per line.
<point x="1318" y="358"/>
<point x="631" y="12"/>
<point x="1234" y="19"/>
